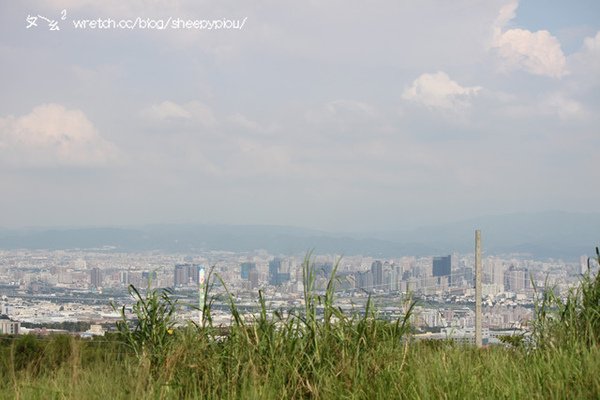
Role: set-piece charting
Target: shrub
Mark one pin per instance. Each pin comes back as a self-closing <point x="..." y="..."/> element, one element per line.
<point x="58" y="350"/>
<point x="26" y="353"/>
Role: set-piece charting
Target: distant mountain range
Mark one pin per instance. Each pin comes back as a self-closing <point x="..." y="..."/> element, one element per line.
<point x="550" y="234"/>
<point x="543" y="235"/>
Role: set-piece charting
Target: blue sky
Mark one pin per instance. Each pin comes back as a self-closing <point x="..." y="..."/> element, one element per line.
<point x="327" y="114"/>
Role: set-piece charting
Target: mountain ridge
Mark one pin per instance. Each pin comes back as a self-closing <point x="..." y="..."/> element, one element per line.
<point x="548" y="234"/>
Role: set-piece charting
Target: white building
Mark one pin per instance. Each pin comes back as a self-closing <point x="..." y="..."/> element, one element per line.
<point x="8" y="326"/>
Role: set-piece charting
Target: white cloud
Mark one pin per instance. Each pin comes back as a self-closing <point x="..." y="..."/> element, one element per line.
<point x="240" y="120"/>
<point x="342" y="111"/>
<point x="592" y="44"/>
<point x="507" y="12"/>
<point x="193" y="110"/>
<point x="242" y="124"/>
<point x="53" y="135"/>
<point x="538" y="53"/>
<point x="252" y="158"/>
<point x="554" y="104"/>
<point x="563" y="106"/>
<point x="439" y="91"/>
<point x="167" y="110"/>
<point x="586" y="62"/>
<point x="343" y="118"/>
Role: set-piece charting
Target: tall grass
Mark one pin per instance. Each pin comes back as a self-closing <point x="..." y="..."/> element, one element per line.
<point x="573" y="320"/>
<point x="150" y="336"/>
<point x="294" y="350"/>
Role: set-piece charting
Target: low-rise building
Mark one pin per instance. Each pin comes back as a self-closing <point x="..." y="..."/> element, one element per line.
<point x="8" y="326"/>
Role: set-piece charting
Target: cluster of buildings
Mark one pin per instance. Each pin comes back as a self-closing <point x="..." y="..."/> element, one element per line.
<point x="50" y="286"/>
<point x="426" y="275"/>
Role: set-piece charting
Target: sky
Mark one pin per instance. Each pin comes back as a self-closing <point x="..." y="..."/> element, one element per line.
<point x="335" y="115"/>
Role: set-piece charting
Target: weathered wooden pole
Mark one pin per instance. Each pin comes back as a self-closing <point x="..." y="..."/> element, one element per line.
<point x="478" y="273"/>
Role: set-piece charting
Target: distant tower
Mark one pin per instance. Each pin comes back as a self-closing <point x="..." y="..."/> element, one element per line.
<point x="276" y="277"/>
<point x="186" y="274"/>
<point x="253" y="278"/>
<point x="377" y="271"/>
<point x="393" y="276"/>
<point x="478" y="291"/>
<point x="245" y="269"/>
<point x="180" y="275"/>
<point x="274" y="266"/>
<point x="364" y="281"/>
<point x="516" y="279"/>
<point x="124" y="278"/>
<point x="442" y="266"/>
<point x="96" y="277"/>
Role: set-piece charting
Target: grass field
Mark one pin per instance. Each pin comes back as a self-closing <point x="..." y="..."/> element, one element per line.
<point x="63" y="368"/>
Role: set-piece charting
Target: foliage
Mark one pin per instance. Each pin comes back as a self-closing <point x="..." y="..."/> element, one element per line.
<point x="69" y="326"/>
<point x="572" y="320"/>
<point x="26" y="353"/>
<point x="513" y="340"/>
<point x="153" y="327"/>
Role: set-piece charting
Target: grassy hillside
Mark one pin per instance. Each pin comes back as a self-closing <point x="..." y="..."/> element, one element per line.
<point x="196" y="369"/>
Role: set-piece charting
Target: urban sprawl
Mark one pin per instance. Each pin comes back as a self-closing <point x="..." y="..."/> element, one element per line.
<point x="43" y="291"/>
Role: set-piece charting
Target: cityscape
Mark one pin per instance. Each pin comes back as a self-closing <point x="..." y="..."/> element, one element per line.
<point x="42" y="289"/>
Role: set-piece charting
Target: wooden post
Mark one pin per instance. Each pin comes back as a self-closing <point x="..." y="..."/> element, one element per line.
<point x="478" y="293"/>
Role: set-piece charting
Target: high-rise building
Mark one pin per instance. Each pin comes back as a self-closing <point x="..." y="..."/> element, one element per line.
<point x="186" y="274"/>
<point x="466" y="273"/>
<point x="377" y="272"/>
<point x="276" y="276"/>
<point x="274" y="266"/>
<point x="283" y="277"/>
<point x="149" y="276"/>
<point x="245" y="269"/>
<point x="124" y="278"/>
<point x="181" y="275"/>
<point x="96" y="277"/>
<point x="253" y="278"/>
<point x="393" y="278"/>
<point x="364" y="280"/>
<point x="324" y="268"/>
<point x="516" y="279"/>
<point x="493" y="271"/>
<point x="442" y="266"/>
